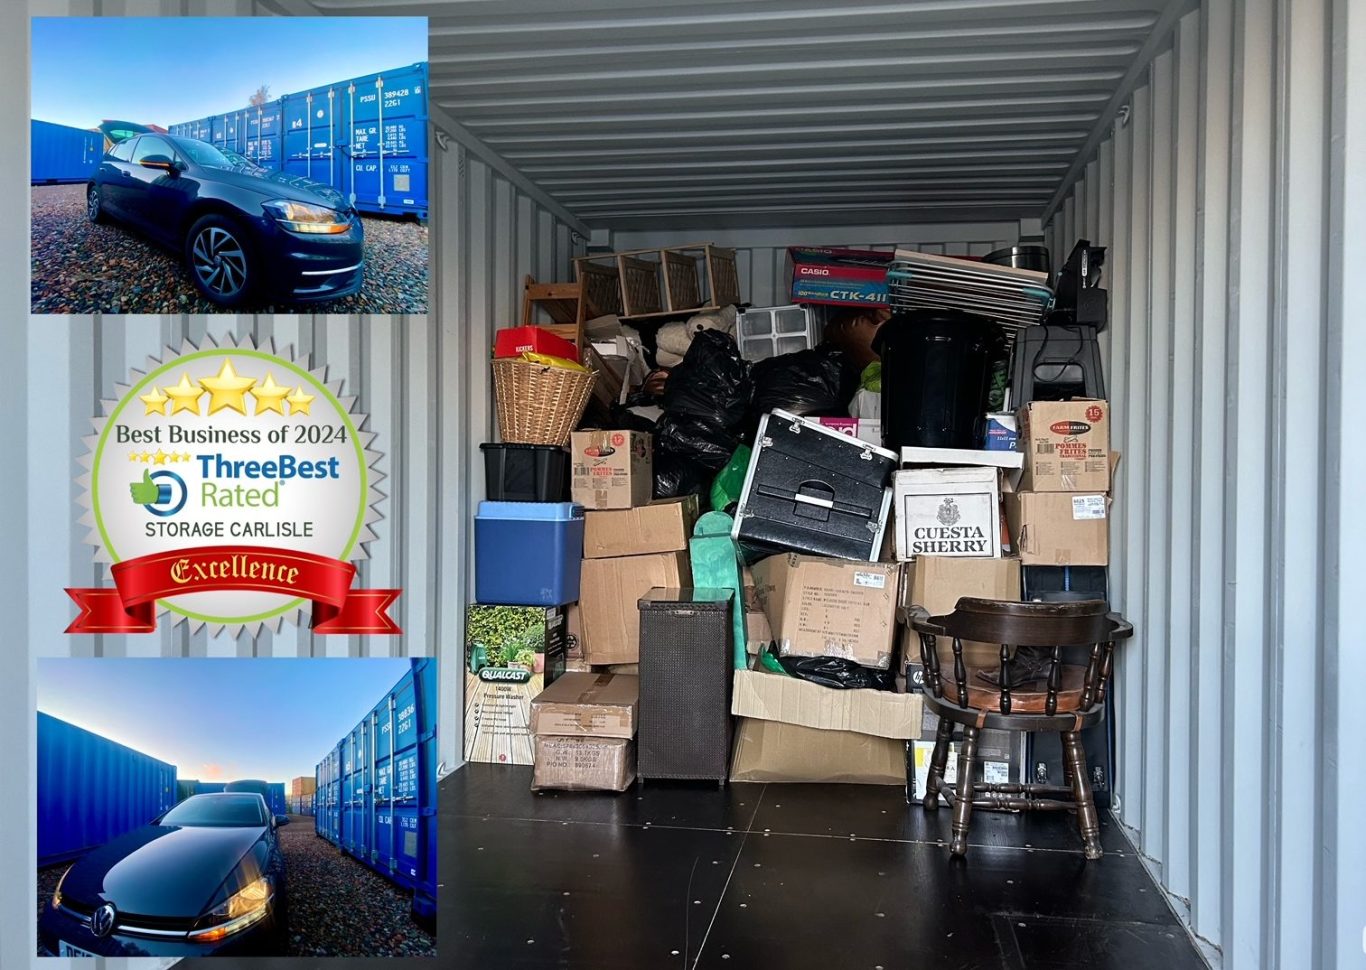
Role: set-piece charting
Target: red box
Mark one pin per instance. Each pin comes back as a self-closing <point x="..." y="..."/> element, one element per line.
<point x="847" y="426"/>
<point x="512" y="341"/>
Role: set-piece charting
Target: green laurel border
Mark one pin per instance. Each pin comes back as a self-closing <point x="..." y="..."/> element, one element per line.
<point x="236" y="352"/>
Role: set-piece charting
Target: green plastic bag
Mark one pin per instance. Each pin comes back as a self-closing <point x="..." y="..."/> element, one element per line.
<point x="730" y="481"/>
<point x="871" y="378"/>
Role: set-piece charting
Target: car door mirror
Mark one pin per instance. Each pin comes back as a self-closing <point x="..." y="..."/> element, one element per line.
<point x="281" y="820"/>
<point x="163" y="162"/>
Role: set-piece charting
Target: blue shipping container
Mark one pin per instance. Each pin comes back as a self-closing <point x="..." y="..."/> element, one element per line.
<point x="59" y="153"/>
<point x="377" y="788"/>
<point x="92" y="789"/>
<point x="364" y="136"/>
<point x="272" y="791"/>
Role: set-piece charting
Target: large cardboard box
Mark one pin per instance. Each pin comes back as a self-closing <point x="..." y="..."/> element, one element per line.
<point x="611" y="469"/>
<point x="821" y="607"/>
<point x="609" y="590"/>
<point x="758" y="632"/>
<point x="936" y="583"/>
<point x="773" y="751"/>
<point x="663" y="526"/>
<point x="948" y="512"/>
<point x="1066" y="445"/>
<point x="1060" y="528"/>
<point x="599" y="705"/>
<point x="512" y="653"/>
<point x="584" y="764"/>
<point x="791" y="700"/>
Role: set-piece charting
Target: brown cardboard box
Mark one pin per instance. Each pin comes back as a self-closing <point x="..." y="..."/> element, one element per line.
<point x="663" y="526"/>
<point x="573" y="634"/>
<point x="609" y="590"/>
<point x="1066" y="445"/>
<point x="584" y="764"/>
<point x="758" y="633"/>
<point x="774" y="751"/>
<point x="597" y="705"/>
<point x="1060" y="528"/>
<point x="936" y="583"/>
<point x="830" y="607"/>
<point x="777" y="697"/>
<point x="611" y="469"/>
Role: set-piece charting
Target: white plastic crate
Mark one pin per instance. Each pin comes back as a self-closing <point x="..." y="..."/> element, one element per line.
<point x="769" y="331"/>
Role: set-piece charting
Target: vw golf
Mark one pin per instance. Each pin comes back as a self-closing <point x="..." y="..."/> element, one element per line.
<point x="206" y="877"/>
<point x="245" y="233"/>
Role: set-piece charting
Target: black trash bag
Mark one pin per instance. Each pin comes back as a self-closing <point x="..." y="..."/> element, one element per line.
<point x="676" y="476"/>
<point x="695" y="439"/>
<point x="838" y="672"/>
<point x="712" y="382"/>
<point x="816" y="383"/>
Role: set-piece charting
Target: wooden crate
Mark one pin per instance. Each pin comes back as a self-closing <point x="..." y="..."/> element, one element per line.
<point x="659" y="284"/>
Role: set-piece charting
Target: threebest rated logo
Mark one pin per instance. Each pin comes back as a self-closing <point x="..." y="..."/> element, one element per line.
<point x="231" y="487"/>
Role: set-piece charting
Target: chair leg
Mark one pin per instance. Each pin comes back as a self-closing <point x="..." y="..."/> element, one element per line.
<point x="938" y="762"/>
<point x="962" y="805"/>
<point x="1087" y="819"/>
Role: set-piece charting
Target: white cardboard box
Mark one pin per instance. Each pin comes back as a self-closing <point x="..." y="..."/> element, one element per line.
<point x="948" y="512"/>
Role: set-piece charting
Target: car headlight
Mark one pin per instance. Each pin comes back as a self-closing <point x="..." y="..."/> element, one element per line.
<point x="302" y="217"/>
<point x="57" y="893"/>
<point x="243" y="908"/>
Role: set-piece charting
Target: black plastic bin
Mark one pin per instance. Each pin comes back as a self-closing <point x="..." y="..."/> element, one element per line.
<point x="936" y="377"/>
<point x="525" y="473"/>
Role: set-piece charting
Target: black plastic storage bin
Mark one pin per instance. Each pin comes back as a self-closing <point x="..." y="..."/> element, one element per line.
<point x="525" y="473"/>
<point x="936" y="377"/>
<point x="1054" y="363"/>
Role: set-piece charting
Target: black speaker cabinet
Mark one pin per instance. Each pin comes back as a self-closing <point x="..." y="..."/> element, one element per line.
<point x="685" y="683"/>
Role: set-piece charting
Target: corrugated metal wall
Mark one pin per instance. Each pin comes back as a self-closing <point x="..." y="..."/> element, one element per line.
<point x="1227" y="198"/>
<point x="761" y="254"/>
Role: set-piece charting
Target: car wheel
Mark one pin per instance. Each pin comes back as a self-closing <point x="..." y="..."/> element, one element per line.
<point x="94" y="204"/>
<point x="220" y="260"/>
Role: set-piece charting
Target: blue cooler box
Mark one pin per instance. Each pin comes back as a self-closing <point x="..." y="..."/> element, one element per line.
<point x="528" y="553"/>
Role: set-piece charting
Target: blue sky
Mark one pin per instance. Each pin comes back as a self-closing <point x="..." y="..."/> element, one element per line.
<point x="219" y="719"/>
<point x="164" y="70"/>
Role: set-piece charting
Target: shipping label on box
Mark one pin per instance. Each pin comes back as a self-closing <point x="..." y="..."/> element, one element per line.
<point x="1059" y="528"/>
<point x="989" y="771"/>
<point x="584" y="764"/>
<point x="1066" y="446"/>
<point x="821" y="607"/>
<point x="663" y="526"/>
<point x="512" y="653"/>
<point x="612" y="469"/>
<point x="947" y="512"/>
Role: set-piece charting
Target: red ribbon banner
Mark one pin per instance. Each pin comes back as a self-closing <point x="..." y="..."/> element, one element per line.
<point x="130" y="607"/>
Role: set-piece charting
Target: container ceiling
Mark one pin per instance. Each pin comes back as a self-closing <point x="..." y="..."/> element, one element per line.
<point x="639" y="113"/>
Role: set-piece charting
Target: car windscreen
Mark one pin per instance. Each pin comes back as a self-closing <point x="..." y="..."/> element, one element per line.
<point x="202" y="153"/>
<point x="217" y="810"/>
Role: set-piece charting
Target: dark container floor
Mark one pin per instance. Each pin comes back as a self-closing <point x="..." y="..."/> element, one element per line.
<point x="780" y="877"/>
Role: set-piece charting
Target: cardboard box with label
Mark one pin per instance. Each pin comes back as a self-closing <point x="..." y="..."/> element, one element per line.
<point x="512" y="653"/>
<point x="1060" y="528"/>
<point x="774" y="751"/>
<point x="609" y="591"/>
<point x="791" y="700"/>
<point x="821" y="607"/>
<point x="584" y="764"/>
<point x="1000" y="754"/>
<point x="1066" y="446"/>
<point x="948" y="512"/>
<point x="758" y="632"/>
<point x="936" y="583"/>
<point x="599" y="705"/>
<point x="611" y="469"/>
<point x="663" y="526"/>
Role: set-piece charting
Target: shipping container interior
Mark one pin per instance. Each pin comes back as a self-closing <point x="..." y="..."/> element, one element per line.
<point x="1216" y="147"/>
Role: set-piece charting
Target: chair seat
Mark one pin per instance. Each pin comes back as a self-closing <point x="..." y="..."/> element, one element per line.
<point x="1028" y="699"/>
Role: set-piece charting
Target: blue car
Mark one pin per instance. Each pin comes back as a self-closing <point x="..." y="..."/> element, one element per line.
<point x="246" y="234"/>
<point x="207" y="877"/>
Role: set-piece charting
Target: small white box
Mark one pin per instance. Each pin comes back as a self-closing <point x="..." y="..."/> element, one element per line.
<point x="948" y="512"/>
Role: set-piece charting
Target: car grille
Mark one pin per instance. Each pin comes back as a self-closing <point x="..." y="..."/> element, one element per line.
<point x="132" y="924"/>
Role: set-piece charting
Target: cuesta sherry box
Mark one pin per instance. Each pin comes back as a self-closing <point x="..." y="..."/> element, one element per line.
<point x="948" y="512"/>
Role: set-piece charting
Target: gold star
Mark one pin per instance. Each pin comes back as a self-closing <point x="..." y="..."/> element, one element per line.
<point x="227" y="390"/>
<point x="185" y="456"/>
<point x="132" y="456"/>
<point x="145" y="457"/>
<point x="156" y="402"/>
<point x="268" y="395"/>
<point x="160" y="457"/>
<point x="184" y="396"/>
<point x="299" y="401"/>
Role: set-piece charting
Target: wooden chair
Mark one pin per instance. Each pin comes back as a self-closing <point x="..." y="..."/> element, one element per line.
<point x="1068" y="698"/>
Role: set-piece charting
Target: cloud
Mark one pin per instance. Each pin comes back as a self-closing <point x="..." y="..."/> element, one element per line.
<point x="212" y="771"/>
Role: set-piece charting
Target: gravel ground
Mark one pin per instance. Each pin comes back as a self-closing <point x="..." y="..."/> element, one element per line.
<point x="83" y="268"/>
<point x="337" y="907"/>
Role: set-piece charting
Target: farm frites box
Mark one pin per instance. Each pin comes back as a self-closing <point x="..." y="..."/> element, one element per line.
<point x="512" y="653"/>
<point x="612" y="469"/>
<point x="1066" y="445"/>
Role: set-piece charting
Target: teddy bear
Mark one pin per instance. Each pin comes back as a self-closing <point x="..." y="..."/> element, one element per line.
<point x="674" y="338"/>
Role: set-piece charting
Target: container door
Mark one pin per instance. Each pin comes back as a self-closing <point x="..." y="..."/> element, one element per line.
<point x="311" y="121"/>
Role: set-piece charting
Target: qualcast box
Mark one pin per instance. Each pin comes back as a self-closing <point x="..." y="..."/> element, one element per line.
<point x="948" y="512"/>
<point x="512" y="653"/>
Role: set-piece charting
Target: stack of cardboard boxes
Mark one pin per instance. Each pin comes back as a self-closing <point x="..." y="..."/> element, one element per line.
<point x="585" y="726"/>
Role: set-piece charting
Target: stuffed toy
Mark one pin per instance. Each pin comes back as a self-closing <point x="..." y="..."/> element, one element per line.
<point x="675" y="337"/>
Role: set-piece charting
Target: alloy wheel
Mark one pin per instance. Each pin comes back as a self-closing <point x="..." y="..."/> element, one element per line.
<point x="92" y="204"/>
<point x="219" y="261"/>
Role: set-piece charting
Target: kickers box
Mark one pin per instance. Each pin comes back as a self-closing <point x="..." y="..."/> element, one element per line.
<point x="1066" y="445"/>
<point x="611" y="469"/>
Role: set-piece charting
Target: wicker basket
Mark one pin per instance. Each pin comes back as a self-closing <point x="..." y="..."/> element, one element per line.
<point x="538" y="404"/>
